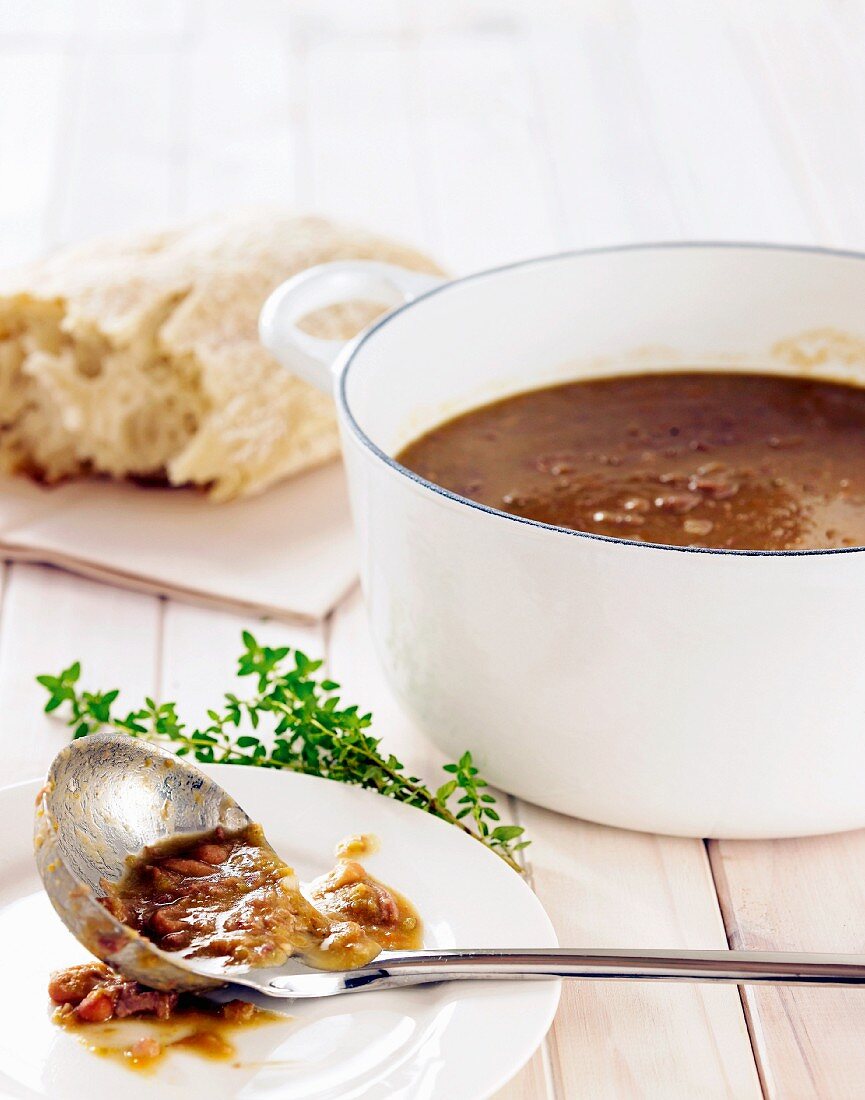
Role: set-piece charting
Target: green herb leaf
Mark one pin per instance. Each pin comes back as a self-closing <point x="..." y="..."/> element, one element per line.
<point x="298" y="725"/>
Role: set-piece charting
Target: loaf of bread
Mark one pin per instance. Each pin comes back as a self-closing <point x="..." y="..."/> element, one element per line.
<point x="139" y="357"/>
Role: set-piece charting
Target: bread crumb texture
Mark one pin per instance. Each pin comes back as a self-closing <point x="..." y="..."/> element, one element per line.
<point x="138" y="356"/>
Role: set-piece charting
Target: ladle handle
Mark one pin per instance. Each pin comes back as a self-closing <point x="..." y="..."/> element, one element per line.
<point x="393" y="970"/>
<point x="740" y="967"/>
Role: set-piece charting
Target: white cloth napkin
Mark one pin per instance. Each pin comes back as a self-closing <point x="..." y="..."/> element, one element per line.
<point x="287" y="553"/>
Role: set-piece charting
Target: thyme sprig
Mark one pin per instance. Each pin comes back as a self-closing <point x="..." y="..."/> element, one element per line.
<point x="292" y="721"/>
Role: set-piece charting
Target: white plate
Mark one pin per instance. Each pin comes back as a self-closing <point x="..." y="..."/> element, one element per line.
<point x="452" y="1041"/>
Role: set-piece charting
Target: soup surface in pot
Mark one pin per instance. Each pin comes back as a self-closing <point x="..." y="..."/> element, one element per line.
<point x="724" y="460"/>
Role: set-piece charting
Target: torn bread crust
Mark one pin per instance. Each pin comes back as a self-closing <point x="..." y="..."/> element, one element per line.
<point x="139" y="356"/>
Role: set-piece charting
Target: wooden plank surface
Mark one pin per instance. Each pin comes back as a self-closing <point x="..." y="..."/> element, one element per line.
<point x="483" y="132"/>
<point x="31" y="81"/>
<point x="605" y="887"/>
<point x="199" y="651"/>
<point x="803" y="894"/>
<point x="242" y="104"/>
<point x="49" y="620"/>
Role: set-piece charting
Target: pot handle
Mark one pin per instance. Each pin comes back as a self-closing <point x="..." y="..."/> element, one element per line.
<point x="310" y="357"/>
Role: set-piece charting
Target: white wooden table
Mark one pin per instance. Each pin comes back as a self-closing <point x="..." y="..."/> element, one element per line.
<point x="484" y="131"/>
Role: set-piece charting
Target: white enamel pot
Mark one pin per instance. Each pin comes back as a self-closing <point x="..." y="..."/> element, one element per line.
<point x="701" y="693"/>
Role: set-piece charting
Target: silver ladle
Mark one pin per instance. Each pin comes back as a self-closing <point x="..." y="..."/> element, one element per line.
<point x="108" y="796"/>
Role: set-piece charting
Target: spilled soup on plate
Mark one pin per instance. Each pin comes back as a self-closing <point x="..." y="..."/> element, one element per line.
<point x="227" y="897"/>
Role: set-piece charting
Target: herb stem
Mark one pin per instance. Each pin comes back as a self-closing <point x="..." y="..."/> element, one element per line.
<point x="305" y="730"/>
